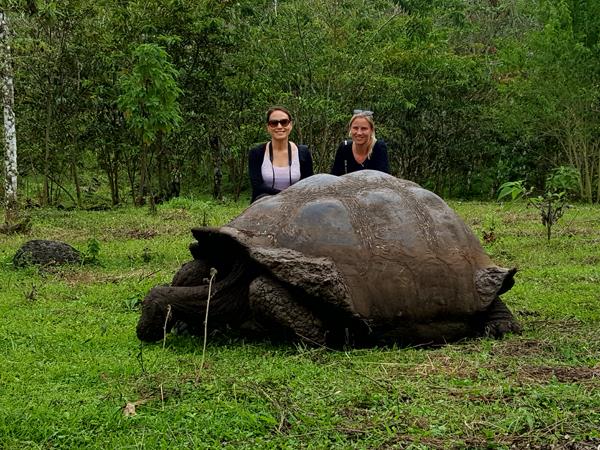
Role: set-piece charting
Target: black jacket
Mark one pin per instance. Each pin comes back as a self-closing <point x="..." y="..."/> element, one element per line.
<point x="345" y="163"/>
<point x="255" y="160"/>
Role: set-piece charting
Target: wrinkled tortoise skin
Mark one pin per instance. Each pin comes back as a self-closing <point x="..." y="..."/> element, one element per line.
<point x="362" y="259"/>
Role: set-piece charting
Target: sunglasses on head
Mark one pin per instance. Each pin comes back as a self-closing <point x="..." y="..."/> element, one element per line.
<point x="362" y="112"/>
<point x="274" y="123"/>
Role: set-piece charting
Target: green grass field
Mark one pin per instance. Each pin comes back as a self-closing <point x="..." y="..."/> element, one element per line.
<point x="74" y="375"/>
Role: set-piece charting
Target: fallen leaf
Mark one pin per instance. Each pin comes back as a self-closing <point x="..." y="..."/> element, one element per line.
<point x="129" y="408"/>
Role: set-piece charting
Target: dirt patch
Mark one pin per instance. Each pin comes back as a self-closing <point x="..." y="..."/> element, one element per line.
<point x="353" y="412"/>
<point x="475" y="442"/>
<point x="568" y="326"/>
<point x="512" y="218"/>
<point x="445" y="365"/>
<point x="140" y="234"/>
<point x="75" y="278"/>
<point x="562" y="374"/>
<point x="591" y="260"/>
<point x="522" y="347"/>
<point x="177" y="214"/>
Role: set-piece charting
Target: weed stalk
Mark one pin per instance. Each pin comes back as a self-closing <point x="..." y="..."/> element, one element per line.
<point x="165" y="325"/>
<point x="213" y="273"/>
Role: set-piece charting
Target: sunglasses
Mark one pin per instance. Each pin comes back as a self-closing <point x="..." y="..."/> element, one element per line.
<point x="274" y="123"/>
<point x="363" y="112"/>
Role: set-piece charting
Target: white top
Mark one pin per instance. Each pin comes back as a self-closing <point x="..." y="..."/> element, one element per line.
<point x="282" y="174"/>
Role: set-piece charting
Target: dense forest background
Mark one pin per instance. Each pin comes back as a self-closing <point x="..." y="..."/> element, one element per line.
<point x="117" y="101"/>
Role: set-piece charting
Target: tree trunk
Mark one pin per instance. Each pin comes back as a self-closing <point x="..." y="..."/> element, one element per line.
<point x="131" y="177"/>
<point x="75" y="175"/>
<point x="215" y="146"/>
<point x="46" y="195"/>
<point x="143" y="175"/>
<point x="116" y="198"/>
<point x="160" y="188"/>
<point x="10" y="134"/>
<point x="112" y="172"/>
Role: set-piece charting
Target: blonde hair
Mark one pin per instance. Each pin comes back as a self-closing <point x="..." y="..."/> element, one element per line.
<point x="368" y="116"/>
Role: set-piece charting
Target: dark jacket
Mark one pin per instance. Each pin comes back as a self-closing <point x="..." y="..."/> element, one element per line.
<point x="255" y="160"/>
<point x="345" y="163"/>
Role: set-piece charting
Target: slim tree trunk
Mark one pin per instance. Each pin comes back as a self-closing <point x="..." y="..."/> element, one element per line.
<point x="597" y="153"/>
<point x="113" y="176"/>
<point x="115" y="180"/>
<point x="10" y="133"/>
<point x="215" y="146"/>
<point x="131" y="176"/>
<point x="46" y="194"/>
<point x="75" y="175"/>
<point x="142" y="191"/>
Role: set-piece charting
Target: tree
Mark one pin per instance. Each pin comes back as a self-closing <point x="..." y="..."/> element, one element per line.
<point x="549" y="81"/>
<point x="149" y="104"/>
<point x="10" y="134"/>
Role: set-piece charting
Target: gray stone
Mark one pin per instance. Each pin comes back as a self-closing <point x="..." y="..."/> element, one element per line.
<point x="46" y="253"/>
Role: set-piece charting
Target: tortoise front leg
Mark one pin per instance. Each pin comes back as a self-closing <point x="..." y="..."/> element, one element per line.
<point x="498" y="320"/>
<point x="165" y="305"/>
<point x="272" y="302"/>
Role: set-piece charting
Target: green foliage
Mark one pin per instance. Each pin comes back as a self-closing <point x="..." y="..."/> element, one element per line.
<point x="92" y="252"/>
<point x="149" y="93"/>
<point x="548" y="87"/>
<point x="514" y="189"/>
<point x="563" y="179"/>
<point x="466" y="94"/>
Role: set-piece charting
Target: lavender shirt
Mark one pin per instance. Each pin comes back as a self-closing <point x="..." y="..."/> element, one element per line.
<point x="282" y="174"/>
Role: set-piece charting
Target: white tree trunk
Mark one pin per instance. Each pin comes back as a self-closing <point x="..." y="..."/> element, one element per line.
<point x="10" y="133"/>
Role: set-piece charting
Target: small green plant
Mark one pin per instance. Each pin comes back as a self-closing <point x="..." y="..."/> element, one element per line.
<point x="92" y="252"/>
<point x="553" y="201"/>
<point x="146" y="255"/>
<point x="489" y="229"/>
<point x="132" y="302"/>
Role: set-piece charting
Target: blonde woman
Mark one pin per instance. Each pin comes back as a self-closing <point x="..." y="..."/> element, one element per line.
<point x="279" y="163"/>
<point x="364" y="151"/>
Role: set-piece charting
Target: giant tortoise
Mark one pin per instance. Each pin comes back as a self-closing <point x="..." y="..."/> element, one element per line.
<point x="361" y="259"/>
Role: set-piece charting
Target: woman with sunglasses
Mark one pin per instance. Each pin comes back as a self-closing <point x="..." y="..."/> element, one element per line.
<point x="279" y="163"/>
<point x="364" y="151"/>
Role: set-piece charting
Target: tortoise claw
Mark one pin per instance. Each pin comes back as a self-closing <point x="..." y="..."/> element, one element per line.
<point x="497" y="329"/>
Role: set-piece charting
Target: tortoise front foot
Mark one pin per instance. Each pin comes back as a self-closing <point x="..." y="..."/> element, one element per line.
<point x="499" y="328"/>
<point x="500" y="321"/>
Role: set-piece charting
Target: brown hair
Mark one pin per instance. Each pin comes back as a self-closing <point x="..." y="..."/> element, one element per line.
<point x="278" y="108"/>
<point x="369" y="118"/>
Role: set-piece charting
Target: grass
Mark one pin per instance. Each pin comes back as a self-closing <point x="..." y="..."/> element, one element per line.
<point x="71" y="367"/>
